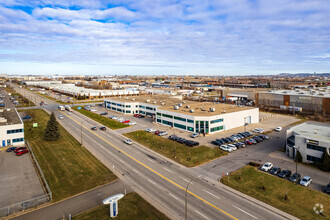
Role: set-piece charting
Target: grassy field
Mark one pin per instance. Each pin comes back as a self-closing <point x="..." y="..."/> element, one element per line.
<point x="300" y="202"/>
<point x="69" y="168"/>
<point x="110" y="123"/>
<point x="185" y="155"/>
<point x="24" y="102"/>
<point x="53" y="99"/>
<point x="131" y="206"/>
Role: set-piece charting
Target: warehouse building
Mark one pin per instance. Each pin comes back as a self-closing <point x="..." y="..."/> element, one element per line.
<point x="310" y="139"/>
<point x="190" y="116"/>
<point x="11" y="128"/>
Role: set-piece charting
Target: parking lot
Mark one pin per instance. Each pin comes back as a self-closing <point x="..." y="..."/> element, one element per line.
<point x="18" y="179"/>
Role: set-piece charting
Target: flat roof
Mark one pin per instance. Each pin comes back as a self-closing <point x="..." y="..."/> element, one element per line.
<point x="167" y="102"/>
<point x="317" y="92"/>
<point x="11" y="116"/>
<point x="314" y="131"/>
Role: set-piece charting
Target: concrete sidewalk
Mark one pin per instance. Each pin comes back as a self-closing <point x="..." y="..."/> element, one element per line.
<point x="76" y="204"/>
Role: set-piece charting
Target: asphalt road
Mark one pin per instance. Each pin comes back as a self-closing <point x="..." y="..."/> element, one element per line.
<point x="162" y="181"/>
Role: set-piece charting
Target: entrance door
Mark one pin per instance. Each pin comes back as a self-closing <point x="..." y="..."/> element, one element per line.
<point x="3" y="143"/>
<point x="8" y="142"/>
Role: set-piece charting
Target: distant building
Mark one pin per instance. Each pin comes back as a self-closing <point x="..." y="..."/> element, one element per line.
<point x="310" y="139"/>
<point x="190" y="116"/>
<point x="11" y="128"/>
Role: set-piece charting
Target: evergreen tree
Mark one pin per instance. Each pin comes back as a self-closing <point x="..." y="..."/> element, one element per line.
<point x="325" y="161"/>
<point x="52" y="132"/>
<point x="298" y="157"/>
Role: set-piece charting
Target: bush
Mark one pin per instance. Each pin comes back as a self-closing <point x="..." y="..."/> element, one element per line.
<point x="254" y="164"/>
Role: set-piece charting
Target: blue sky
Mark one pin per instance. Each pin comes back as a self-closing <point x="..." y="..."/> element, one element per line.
<point x="164" y="36"/>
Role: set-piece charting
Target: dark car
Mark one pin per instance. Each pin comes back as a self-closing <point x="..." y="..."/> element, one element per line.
<point x="21" y="152"/>
<point x="216" y="143"/>
<point x="275" y="170"/>
<point x="103" y="128"/>
<point x="237" y="145"/>
<point x="11" y="149"/>
<point x="326" y="189"/>
<point x="248" y="142"/>
<point x="171" y="137"/>
<point x="265" y="137"/>
<point x="94" y="128"/>
<point x="141" y="116"/>
<point x="27" y="117"/>
<point x="221" y="141"/>
<point x="104" y="113"/>
<point x="295" y="178"/>
<point x="284" y="174"/>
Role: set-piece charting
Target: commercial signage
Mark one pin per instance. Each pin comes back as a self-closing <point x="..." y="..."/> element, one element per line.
<point x="312" y="142"/>
<point x="35" y="125"/>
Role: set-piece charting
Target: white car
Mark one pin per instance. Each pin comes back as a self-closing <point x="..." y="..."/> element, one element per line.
<point x="114" y="117"/>
<point x="150" y="130"/>
<point x="162" y="133"/>
<point x="233" y="147"/>
<point x="258" y="130"/>
<point x="128" y="141"/>
<point x="226" y="148"/>
<point x="194" y="135"/>
<point x="93" y="110"/>
<point x="60" y="117"/>
<point x="132" y="123"/>
<point x="306" y="181"/>
<point x="267" y="166"/>
<point x="278" y="129"/>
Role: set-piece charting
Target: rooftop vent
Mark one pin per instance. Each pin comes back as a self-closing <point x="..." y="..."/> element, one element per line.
<point x="187" y="106"/>
<point x="147" y="100"/>
<point x="155" y="102"/>
<point x="163" y="103"/>
<point x="191" y="110"/>
<point x="180" y="104"/>
<point x="176" y="107"/>
<point x="212" y="109"/>
<point x="133" y="99"/>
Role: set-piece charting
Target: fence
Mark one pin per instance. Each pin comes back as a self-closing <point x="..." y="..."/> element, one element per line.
<point x="21" y="206"/>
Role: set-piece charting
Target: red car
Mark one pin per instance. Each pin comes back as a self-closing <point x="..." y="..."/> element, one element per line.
<point x="248" y="142"/>
<point x="127" y="121"/>
<point x="157" y="132"/>
<point x="19" y="149"/>
<point x="21" y="152"/>
<point x="136" y="115"/>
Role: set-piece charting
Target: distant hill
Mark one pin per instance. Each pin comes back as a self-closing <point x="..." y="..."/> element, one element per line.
<point x="304" y="74"/>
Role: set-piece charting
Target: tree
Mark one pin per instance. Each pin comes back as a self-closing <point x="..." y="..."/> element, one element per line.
<point x="52" y="132"/>
<point x="268" y="84"/>
<point x="325" y="161"/>
<point x="298" y="157"/>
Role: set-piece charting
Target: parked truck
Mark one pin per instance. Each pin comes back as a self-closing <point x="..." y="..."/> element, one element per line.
<point x="68" y="108"/>
<point x="61" y="107"/>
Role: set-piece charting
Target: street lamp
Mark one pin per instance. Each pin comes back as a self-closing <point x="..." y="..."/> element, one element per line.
<point x="186" y="200"/>
<point x="296" y="159"/>
<point x="81" y="139"/>
<point x="174" y="144"/>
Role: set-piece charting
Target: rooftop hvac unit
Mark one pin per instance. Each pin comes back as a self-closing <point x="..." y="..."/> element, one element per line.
<point x="180" y="104"/>
<point x="176" y="107"/>
<point x="187" y="106"/>
<point x="155" y="102"/>
<point x="133" y="99"/>
<point x="126" y="98"/>
<point x="191" y="110"/>
<point x="147" y="100"/>
<point x="163" y="103"/>
<point x="212" y="109"/>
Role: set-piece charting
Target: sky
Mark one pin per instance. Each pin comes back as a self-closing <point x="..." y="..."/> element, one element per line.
<point x="150" y="37"/>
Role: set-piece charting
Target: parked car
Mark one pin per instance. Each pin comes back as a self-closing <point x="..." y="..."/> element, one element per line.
<point x="267" y="166"/>
<point x="194" y="135"/>
<point x="157" y="132"/>
<point x="19" y="148"/>
<point x="242" y="144"/>
<point x="265" y="137"/>
<point x="295" y="178"/>
<point x="150" y="130"/>
<point x="141" y="116"/>
<point x="226" y="148"/>
<point x="60" y="117"/>
<point x="171" y="137"/>
<point x="26" y="117"/>
<point x="126" y="121"/>
<point x="103" y="128"/>
<point x="249" y="142"/>
<point x="128" y="141"/>
<point x="284" y="174"/>
<point x="232" y="146"/>
<point x="10" y="149"/>
<point x="94" y="128"/>
<point x="306" y="181"/>
<point x="162" y="133"/>
<point x="216" y="143"/>
<point x="326" y="189"/>
<point x="132" y="123"/>
<point x="136" y="115"/>
<point x="21" y="152"/>
<point x="278" y="129"/>
<point x="104" y="113"/>
<point x="275" y="170"/>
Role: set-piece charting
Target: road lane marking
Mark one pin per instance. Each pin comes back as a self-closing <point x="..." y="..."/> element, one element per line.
<point x="201" y="214"/>
<point x="173" y="196"/>
<point x="154" y="171"/>
<point x="150" y="160"/>
<point x="211" y="194"/>
<point x="120" y="160"/>
<point x="186" y="180"/>
<point x="245" y="212"/>
<point x="152" y="182"/>
<point x="168" y="170"/>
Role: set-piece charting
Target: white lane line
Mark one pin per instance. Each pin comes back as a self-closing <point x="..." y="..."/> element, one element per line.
<point x="173" y="196"/>
<point x="211" y="194"/>
<point x="120" y="160"/>
<point x="245" y="212"/>
<point x="152" y="182"/>
<point x="185" y="179"/>
<point x="150" y="160"/>
<point x="201" y="214"/>
<point x="135" y="170"/>
<point x="168" y="170"/>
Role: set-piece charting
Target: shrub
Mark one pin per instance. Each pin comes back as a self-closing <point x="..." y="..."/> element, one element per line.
<point x="254" y="164"/>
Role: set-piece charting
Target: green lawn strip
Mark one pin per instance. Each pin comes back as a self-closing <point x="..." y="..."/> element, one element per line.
<point x="166" y="147"/>
<point x="24" y="102"/>
<point x="53" y="99"/>
<point x="131" y="206"/>
<point x="300" y="202"/>
<point x="69" y="168"/>
<point x="110" y="123"/>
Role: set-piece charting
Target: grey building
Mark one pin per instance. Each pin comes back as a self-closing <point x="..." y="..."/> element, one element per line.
<point x="310" y="139"/>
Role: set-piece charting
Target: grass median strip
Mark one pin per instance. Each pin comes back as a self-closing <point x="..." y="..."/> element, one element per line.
<point x="24" y="102"/>
<point x="299" y="201"/>
<point x="110" y="123"/>
<point x="131" y="206"/>
<point x="69" y="168"/>
<point x="188" y="156"/>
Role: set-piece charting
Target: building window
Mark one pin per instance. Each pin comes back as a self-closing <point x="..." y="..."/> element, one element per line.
<point x="217" y="121"/>
<point x="160" y="114"/>
<point x="127" y="106"/>
<point x="128" y="111"/>
<point x="180" y="119"/>
<point x="149" y="108"/>
<point x="142" y="112"/>
<point x="167" y="116"/>
<point x="113" y="108"/>
<point x="190" y="129"/>
<point x="14" y="131"/>
<point x="190" y="121"/>
<point x="119" y="104"/>
<point x="141" y="106"/>
<point x="119" y="110"/>
<point x="180" y="126"/>
<point x="159" y="121"/>
<point x="136" y="106"/>
<point x="113" y="103"/>
<point x="18" y="140"/>
<point x="314" y="159"/>
<point x="313" y="147"/>
<point x="167" y="123"/>
<point x="217" y="129"/>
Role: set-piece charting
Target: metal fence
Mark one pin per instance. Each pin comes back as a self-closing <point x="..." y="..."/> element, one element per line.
<point x="21" y="206"/>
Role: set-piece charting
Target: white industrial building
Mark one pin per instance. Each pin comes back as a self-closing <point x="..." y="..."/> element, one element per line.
<point x="310" y="139"/>
<point x="11" y="128"/>
<point x="190" y="116"/>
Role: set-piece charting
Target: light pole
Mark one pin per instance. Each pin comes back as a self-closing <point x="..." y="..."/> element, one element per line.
<point x="296" y="159"/>
<point x="186" y="199"/>
<point x="81" y="139"/>
<point x="174" y="144"/>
